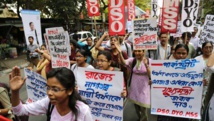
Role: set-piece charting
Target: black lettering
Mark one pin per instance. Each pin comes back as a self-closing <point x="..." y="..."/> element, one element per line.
<point x="187" y="5"/>
<point x="187" y="22"/>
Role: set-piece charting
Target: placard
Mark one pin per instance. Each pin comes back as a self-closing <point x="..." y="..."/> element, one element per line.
<point x="102" y="91"/>
<point x="145" y="34"/>
<point x="35" y="85"/>
<point x="177" y="88"/>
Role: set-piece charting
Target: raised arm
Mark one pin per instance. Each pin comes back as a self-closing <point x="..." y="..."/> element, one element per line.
<point x="44" y="53"/>
<point x="16" y="83"/>
<point x="97" y="46"/>
<point x="122" y="60"/>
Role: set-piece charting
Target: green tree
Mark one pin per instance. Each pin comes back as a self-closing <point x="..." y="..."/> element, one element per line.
<point x="208" y="6"/>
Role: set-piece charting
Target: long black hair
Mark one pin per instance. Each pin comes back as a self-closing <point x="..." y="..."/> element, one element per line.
<point x="182" y="46"/>
<point x="67" y="79"/>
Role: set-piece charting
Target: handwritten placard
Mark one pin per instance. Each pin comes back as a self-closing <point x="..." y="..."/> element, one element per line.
<point x="59" y="46"/>
<point x="102" y="91"/>
<point x="145" y="34"/>
<point x="35" y="85"/>
<point x="208" y="30"/>
<point x="177" y="88"/>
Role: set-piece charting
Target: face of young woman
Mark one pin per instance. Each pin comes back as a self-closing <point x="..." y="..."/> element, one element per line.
<point x="80" y="58"/>
<point x="103" y="63"/>
<point x="207" y="49"/>
<point x="138" y="54"/>
<point x="56" y="92"/>
<point x="89" y="41"/>
<point x="180" y="53"/>
<point x="113" y="41"/>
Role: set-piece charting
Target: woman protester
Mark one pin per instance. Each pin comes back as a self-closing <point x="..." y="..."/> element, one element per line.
<point x="104" y="63"/>
<point x="44" y="65"/>
<point x="63" y="103"/>
<point x="207" y="48"/>
<point x="74" y="48"/>
<point x="181" y="52"/>
<point x="139" y="91"/>
<point x="114" y="52"/>
<point x="81" y="58"/>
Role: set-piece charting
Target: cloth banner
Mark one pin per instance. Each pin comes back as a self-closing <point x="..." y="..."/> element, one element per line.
<point x="169" y="18"/>
<point x="102" y="91"/>
<point x="35" y="85"/>
<point x="116" y="16"/>
<point x="177" y="88"/>
<point x="131" y="9"/>
<point x="93" y="8"/>
<point x="32" y="26"/>
<point x="189" y="15"/>
<point x="145" y="33"/>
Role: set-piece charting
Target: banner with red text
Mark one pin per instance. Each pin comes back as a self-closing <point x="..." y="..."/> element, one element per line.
<point x="170" y="16"/>
<point x="189" y="15"/>
<point x="131" y="9"/>
<point x="116" y="16"/>
<point x="177" y="88"/>
<point x="93" y="8"/>
<point x="144" y="33"/>
<point x="102" y="91"/>
<point x="59" y="47"/>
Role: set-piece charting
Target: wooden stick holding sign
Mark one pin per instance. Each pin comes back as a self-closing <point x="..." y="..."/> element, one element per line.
<point x="95" y="27"/>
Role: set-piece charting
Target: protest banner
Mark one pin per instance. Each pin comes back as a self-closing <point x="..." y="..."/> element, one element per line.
<point x="35" y="85"/>
<point x="32" y="26"/>
<point x="208" y="30"/>
<point x="93" y="8"/>
<point x="189" y="15"/>
<point x="102" y="91"/>
<point x="116" y="17"/>
<point x="131" y="9"/>
<point x="59" y="46"/>
<point x="169" y="18"/>
<point x="154" y="10"/>
<point x="177" y="88"/>
<point x="178" y="33"/>
<point x="145" y="33"/>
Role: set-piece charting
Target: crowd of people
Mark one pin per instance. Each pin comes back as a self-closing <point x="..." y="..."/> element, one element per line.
<point x="112" y="53"/>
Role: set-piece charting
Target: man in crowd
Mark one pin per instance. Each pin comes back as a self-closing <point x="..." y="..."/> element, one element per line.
<point x="163" y="49"/>
<point x="33" y="56"/>
<point x="194" y="39"/>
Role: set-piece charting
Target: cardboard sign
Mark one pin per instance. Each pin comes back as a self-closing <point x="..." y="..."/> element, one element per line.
<point x="208" y="30"/>
<point x="35" y="85"/>
<point x="102" y="91"/>
<point x="177" y="88"/>
<point x="145" y="34"/>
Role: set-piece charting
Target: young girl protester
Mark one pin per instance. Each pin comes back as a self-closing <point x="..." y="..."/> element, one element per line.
<point x="104" y="63"/>
<point x="139" y="91"/>
<point x="63" y="103"/>
<point x="81" y="61"/>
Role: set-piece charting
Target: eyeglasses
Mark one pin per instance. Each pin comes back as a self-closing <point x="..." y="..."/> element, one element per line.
<point x="79" y="56"/>
<point x="101" y="61"/>
<point x="55" y="90"/>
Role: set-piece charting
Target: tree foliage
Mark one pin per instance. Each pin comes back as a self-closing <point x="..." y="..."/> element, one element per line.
<point x="208" y="6"/>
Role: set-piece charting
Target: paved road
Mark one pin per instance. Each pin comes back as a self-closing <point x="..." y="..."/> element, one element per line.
<point x="129" y="111"/>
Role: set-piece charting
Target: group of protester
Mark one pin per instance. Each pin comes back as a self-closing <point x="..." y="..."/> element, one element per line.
<point x="112" y="53"/>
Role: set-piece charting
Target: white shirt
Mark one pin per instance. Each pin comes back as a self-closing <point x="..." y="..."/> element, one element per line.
<point x="74" y="68"/>
<point x="195" y="40"/>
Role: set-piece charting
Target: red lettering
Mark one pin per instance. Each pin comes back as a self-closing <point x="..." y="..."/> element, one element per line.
<point x="191" y="114"/>
<point x="53" y="31"/>
<point x="177" y="113"/>
<point x="163" y="111"/>
<point x="62" y="56"/>
<point x="99" y="76"/>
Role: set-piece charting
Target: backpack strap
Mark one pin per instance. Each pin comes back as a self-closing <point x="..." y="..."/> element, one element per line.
<point x="49" y="112"/>
<point x="126" y="47"/>
<point x="133" y="64"/>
